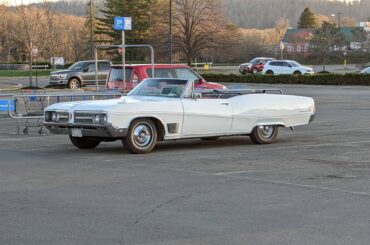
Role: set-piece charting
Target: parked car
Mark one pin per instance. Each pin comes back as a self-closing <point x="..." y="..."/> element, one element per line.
<point x="137" y="73"/>
<point x="254" y="66"/>
<point x="365" y="71"/>
<point x="80" y="74"/>
<point x="278" y="67"/>
<point x="170" y="109"/>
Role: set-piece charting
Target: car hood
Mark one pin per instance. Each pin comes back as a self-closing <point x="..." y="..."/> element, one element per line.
<point x="104" y="105"/>
<point x="245" y="64"/>
<point x="307" y="68"/>
<point x="61" y="72"/>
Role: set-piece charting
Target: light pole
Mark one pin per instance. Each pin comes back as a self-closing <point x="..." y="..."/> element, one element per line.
<point x="91" y="30"/>
<point x="338" y="15"/>
<point x="170" y="31"/>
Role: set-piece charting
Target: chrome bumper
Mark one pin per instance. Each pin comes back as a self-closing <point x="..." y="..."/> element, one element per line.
<point x="105" y="131"/>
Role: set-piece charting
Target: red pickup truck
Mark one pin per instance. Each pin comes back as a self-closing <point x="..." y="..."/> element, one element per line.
<point x="136" y="73"/>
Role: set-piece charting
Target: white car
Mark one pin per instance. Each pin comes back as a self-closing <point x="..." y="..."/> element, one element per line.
<point x="280" y="67"/>
<point x="171" y="109"/>
<point x="365" y="71"/>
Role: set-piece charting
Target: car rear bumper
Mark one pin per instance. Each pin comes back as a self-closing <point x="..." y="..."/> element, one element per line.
<point x="104" y="131"/>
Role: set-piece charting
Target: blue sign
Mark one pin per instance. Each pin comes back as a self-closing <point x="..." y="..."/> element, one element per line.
<point x="122" y="23"/>
<point x="4" y="105"/>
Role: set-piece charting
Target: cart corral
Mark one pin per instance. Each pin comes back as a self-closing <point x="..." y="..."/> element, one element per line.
<point x="27" y="109"/>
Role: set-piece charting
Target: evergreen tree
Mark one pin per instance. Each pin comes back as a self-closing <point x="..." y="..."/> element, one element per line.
<point x="324" y="41"/>
<point x="307" y="19"/>
<point x="138" y="10"/>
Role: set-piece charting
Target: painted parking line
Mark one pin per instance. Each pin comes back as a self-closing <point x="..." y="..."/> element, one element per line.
<point x="329" y="131"/>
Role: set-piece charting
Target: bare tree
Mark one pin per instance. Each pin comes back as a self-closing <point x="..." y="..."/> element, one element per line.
<point x="197" y="25"/>
<point x="27" y="31"/>
<point x="52" y="32"/>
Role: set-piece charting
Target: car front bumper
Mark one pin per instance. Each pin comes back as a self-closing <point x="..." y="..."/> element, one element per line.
<point x="58" y="81"/>
<point x="104" y="131"/>
<point x="312" y="117"/>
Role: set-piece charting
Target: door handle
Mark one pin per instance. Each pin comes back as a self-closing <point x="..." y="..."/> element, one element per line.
<point x="225" y="103"/>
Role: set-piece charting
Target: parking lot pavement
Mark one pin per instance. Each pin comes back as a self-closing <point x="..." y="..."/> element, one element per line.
<point x="311" y="187"/>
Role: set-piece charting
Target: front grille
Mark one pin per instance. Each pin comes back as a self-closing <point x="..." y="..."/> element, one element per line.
<point x="84" y="118"/>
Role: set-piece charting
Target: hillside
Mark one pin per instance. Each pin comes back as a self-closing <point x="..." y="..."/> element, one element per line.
<point x="255" y="13"/>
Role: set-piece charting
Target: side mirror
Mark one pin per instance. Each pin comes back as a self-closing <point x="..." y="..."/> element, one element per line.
<point x="196" y="96"/>
<point x="201" y="80"/>
<point x="86" y="69"/>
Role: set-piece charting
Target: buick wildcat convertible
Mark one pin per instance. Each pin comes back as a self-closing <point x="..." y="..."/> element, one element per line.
<point x="169" y="109"/>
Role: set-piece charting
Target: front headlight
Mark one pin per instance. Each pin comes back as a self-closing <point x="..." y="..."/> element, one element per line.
<point x="100" y="119"/>
<point x="55" y="116"/>
<point x="62" y="76"/>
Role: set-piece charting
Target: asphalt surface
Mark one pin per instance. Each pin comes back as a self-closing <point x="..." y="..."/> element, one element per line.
<point x="311" y="187"/>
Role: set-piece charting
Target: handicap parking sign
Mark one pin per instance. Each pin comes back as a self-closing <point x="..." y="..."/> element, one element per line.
<point x="122" y="23"/>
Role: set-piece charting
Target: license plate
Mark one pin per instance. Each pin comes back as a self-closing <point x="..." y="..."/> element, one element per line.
<point x="76" y="132"/>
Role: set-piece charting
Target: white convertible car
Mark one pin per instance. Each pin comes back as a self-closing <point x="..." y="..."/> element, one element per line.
<point x="169" y="109"/>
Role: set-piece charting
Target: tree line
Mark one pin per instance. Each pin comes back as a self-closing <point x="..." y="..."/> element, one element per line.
<point x="26" y="29"/>
<point x="200" y="31"/>
<point x="264" y="13"/>
<point x="255" y="13"/>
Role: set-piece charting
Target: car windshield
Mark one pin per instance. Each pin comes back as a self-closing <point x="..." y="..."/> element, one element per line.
<point x="255" y="61"/>
<point x="77" y="66"/>
<point x="295" y="64"/>
<point x="173" y="88"/>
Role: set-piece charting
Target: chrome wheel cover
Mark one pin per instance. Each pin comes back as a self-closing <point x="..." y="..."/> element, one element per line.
<point x="142" y="135"/>
<point x="266" y="132"/>
<point x="74" y="84"/>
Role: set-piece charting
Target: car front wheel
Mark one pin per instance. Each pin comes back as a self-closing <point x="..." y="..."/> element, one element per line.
<point x="297" y="73"/>
<point x="141" y="137"/>
<point x="74" y="83"/>
<point x="85" y="142"/>
<point x="264" y="134"/>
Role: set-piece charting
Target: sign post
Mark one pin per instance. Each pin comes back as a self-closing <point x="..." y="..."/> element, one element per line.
<point x="123" y="24"/>
<point x="282" y="46"/>
<point x="35" y="53"/>
<point x="345" y="58"/>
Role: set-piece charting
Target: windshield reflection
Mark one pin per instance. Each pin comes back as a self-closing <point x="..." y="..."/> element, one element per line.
<point x="172" y="88"/>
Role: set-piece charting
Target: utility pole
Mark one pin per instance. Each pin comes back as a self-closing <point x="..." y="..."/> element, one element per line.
<point x="170" y="31"/>
<point x="91" y="29"/>
<point x="339" y="24"/>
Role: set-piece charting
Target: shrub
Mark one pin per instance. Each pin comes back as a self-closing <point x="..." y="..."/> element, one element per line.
<point x="322" y="79"/>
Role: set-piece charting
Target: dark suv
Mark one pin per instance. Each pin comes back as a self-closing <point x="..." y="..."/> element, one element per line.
<point x="80" y="74"/>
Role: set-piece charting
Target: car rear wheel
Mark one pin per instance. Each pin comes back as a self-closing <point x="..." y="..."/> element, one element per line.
<point x="74" y="83"/>
<point x="141" y="137"/>
<point x="269" y="72"/>
<point x="264" y="134"/>
<point x="297" y="73"/>
<point x="85" y="142"/>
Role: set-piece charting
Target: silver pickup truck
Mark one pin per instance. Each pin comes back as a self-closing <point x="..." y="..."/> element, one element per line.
<point x="80" y="74"/>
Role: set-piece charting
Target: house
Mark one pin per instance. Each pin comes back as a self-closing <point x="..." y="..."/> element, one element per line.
<point x="297" y="41"/>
